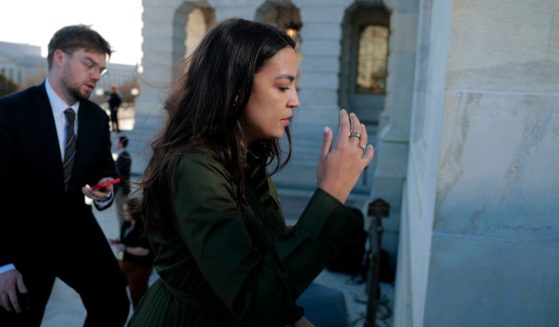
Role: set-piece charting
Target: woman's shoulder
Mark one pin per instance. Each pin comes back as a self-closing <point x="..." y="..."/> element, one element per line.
<point x="203" y="175"/>
<point x="201" y="164"/>
<point x="198" y="158"/>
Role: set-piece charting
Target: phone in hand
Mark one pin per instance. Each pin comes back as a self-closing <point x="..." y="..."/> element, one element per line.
<point x="24" y="302"/>
<point x="105" y="184"/>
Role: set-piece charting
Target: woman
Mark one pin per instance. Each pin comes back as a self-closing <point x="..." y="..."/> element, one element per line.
<point x="137" y="258"/>
<point x="212" y="213"/>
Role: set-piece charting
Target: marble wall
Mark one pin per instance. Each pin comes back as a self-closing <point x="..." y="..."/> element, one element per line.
<point x="392" y="148"/>
<point x="488" y="256"/>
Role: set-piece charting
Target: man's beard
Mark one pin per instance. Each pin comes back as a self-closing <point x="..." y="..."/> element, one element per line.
<point x="72" y="88"/>
<point x="76" y="94"/>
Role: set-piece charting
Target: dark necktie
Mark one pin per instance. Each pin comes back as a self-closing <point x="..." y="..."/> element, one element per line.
<point x="69" y="147"/>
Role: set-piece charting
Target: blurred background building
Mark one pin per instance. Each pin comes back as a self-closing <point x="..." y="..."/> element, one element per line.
<point x="21" y="65"/>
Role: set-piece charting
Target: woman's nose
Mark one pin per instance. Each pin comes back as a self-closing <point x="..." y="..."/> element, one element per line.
<point x="294" y="101"/>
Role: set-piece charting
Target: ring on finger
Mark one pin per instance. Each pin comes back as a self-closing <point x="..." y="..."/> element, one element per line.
<point x="361" y="147"/>
<point x="355" y="134"/>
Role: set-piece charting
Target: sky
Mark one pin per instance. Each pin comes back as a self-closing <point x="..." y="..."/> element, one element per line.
<point x="35" y="21"/>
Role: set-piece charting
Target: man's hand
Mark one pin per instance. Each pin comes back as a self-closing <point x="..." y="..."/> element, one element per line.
<point x="101" y="194"/>
<point x="303" y="322"/>
<point x="11" y="282"/>
<point x="119" y="247"/>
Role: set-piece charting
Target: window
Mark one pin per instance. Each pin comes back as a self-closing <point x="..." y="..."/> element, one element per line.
<point x="372" y="59"/>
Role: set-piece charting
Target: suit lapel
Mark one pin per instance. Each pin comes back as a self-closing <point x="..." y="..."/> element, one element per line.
<point x="42" y="121"/>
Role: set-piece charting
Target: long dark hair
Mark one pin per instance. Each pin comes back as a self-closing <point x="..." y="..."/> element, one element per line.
<point x="205" y="106"/>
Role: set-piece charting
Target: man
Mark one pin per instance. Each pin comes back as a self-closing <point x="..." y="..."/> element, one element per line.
<point x="123" y="167"/>
<point x="54" y="142"/>
<point x="114" y="103"/>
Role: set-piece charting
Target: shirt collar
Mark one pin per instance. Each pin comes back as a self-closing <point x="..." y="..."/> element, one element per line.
<point x="56" y="103"/>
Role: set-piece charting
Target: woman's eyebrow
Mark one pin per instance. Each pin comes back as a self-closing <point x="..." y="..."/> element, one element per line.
<point x="288" y="76"/>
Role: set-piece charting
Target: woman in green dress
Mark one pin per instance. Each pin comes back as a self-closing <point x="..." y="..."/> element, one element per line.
<point x="212" y="213"/>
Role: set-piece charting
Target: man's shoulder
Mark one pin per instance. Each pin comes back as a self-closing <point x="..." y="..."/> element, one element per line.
<point x="20" y="96"/>
<point x="15" y="102"/>
<point x="93" y="108"/>
<point x="124" y="155"/>
<point x="115" y="98"/>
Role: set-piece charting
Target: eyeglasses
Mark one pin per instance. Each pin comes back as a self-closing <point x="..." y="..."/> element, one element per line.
<point x="92" y="66"/>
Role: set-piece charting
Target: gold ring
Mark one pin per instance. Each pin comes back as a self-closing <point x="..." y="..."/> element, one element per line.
<point x="361" y="147"/>
<point x="355" y="134"/>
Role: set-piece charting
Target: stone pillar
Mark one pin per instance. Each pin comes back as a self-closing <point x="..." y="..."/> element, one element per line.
<point x="164" y="48"/>
<point x="235" y="9"/>
<point x="318" y="89"/>
<point x="416" y="228"/>
<point x="157" y="63"/>
<point x="391" y="151"/>
<point x="481" y="202"/>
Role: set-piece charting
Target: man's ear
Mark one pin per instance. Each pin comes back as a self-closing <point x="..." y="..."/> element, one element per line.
<point x="58" y="58"/>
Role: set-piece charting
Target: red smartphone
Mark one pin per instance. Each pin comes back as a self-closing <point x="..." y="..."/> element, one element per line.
<point x="105" y="184"/>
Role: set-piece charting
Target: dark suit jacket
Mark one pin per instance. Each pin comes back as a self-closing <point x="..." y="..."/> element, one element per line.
<point x="34" y="209"/>
<point x="123" y="167"/>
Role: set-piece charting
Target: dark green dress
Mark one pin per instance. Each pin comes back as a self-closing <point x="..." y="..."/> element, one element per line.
<point x="222" y="264"/>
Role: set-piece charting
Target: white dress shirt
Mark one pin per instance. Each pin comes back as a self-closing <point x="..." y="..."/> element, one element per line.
<point x="58" y="106"/>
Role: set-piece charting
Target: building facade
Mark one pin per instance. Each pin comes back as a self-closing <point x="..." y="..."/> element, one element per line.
<point x="22" y="63"/>
<point x="336" y="42"/>
<point x="461" y="98"/>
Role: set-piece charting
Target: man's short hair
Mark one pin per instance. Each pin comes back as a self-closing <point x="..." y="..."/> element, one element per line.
<point x="73" y="37"/>
<point x="123" y="140"/>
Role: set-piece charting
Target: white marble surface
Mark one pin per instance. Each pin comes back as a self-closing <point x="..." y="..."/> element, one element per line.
<point x="498" y="176"/>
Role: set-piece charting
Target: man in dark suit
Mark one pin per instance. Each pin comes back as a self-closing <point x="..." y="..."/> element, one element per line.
<point x="123" y="167"/>
<point x="114" y="104"/>
<point x="54" y="142"/>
